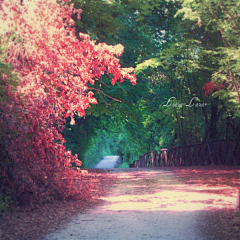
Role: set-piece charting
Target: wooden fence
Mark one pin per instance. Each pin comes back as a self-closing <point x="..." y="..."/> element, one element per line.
<point x="220" y="152"/>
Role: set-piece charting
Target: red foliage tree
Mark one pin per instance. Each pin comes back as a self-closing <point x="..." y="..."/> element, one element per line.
<point x="211" y="87"/>
<point x="55" y="69"/>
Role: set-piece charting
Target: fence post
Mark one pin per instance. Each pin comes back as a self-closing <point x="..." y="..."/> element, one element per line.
<point x="165" y="159"/>
<point x="151" y="160"/>
<point x="155" y="159"/>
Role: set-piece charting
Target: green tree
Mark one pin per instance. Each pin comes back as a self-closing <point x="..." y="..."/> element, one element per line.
<point x="182" y="50"/>
<point x="215" y="24"/>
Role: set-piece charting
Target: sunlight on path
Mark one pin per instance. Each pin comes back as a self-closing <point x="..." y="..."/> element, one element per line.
<point x="149" y="204"/>
<point x="167" y="195"/>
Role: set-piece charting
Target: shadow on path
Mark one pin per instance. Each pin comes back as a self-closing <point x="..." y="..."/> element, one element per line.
<point x="151" y="204"/>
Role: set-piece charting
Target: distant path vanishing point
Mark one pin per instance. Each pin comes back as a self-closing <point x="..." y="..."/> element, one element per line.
<point x="109" y="162"/>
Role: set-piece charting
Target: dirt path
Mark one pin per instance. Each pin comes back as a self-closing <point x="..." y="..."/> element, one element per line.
<point x="109" y="162"/>
<point x="152" y="204"/>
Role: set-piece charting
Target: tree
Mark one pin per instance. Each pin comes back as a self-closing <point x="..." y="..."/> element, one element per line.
<point x="55" y="70"/>
<point x="215" y="24"/>
<point x="178" y="50"/>
<point x="196" y="63"/>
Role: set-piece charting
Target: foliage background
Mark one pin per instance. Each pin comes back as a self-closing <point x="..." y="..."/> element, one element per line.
<point x="182" y="49"/>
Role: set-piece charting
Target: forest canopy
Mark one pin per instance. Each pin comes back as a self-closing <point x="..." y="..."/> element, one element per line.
<point x="46" y="72"/>
<point x="83" y="79"/>
<point x="184" y="52"/>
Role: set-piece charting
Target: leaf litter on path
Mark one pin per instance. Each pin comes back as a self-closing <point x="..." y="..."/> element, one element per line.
<point x="34" y="222"/>
<point x="210" y="191"/>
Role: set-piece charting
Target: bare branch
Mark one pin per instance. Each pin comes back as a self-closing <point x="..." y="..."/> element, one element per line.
<point x="100" y="91"/>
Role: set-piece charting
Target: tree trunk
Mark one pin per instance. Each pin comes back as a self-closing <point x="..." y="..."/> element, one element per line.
<point x="213" y="121"/>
